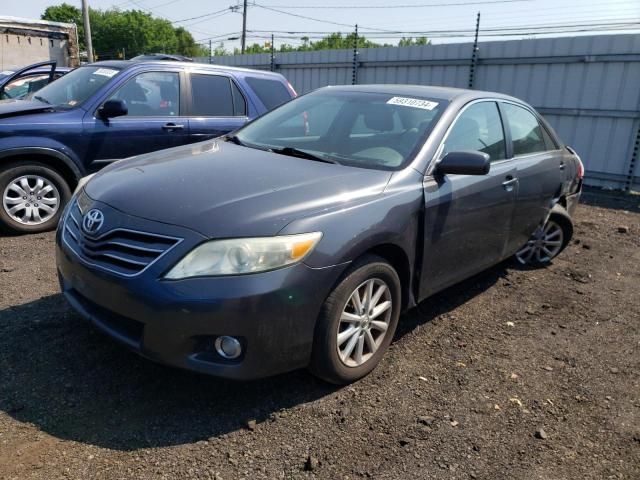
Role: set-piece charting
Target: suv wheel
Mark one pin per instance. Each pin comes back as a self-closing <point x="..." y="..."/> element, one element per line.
<point x="357" y="322"/>
<point x="33" y="196"/>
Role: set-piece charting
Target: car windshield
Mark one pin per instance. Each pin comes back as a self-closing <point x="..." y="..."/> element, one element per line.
<point x="370" y="130"/>
<point x="74" y="88"/>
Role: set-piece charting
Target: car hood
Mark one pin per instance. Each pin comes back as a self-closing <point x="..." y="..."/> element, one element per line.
<point x="224" y="190"/>
<point x="12" y="107"/>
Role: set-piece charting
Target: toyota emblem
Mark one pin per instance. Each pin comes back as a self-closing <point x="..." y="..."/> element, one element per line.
<point x="92" y="221"/>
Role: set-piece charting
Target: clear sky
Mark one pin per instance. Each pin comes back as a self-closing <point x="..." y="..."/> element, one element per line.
<point x="433" y="16"/>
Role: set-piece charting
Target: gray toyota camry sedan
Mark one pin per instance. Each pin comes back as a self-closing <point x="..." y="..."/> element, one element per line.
<point x="299" y="240"/>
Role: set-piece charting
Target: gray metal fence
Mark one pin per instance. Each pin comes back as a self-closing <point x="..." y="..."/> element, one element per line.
<point x="588" y="87"/>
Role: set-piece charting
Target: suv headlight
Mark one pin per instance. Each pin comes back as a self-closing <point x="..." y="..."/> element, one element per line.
<point x="244" y="255"/>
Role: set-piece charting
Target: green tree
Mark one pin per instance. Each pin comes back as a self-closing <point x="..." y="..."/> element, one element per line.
<point x="133" y="31"/>
<point x="186" y="45"/>
<point x="68" y="14"/>
<point x="408" y="41"/>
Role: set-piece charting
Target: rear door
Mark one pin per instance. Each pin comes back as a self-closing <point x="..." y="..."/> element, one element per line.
<point x="217" y="106"/>
<point x="539" y="168"/>
<point x="155" y="119"/>
<point x="468" y="217"/>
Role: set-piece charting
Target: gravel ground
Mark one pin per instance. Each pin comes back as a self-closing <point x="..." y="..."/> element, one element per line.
<point x="528" y="374"/>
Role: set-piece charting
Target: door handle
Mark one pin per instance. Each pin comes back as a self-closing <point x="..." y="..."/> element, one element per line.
<point x="509" y="183"/>
<point x="561" y="167"/>
<point x="172" y="127"/>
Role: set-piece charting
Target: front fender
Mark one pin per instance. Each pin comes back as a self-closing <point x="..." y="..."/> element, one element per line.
<point x="36" y="147"/>
<point x="391" y="218"/>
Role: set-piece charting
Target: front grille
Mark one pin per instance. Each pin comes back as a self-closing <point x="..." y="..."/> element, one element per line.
<point x="122" y="251"/>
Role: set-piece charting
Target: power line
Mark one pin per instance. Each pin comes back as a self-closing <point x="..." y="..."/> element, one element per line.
<point x="203" y="15"/>
<point x="222" y="14"/>
<point x="552" y="28"/>
<point x="313" y="19"/>
<point x="363" y="7"/>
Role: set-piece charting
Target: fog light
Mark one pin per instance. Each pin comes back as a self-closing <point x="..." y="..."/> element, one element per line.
<point x="228" y="347"/>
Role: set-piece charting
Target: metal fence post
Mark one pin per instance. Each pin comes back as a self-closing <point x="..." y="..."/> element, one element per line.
<point x="474" y="55"/>
<point x="273" y="55"/>
<point x="354" y="66"/>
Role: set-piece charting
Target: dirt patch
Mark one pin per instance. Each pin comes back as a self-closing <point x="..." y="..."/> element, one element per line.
<point x="528" y="374"/>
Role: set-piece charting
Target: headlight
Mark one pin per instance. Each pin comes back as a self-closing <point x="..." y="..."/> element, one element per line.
<point x="82" y="182"/>
<point x="244" y="255"/>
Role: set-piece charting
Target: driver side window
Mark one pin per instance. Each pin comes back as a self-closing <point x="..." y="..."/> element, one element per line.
<point x="151" y="94"/>
<point x="478" y="128"/>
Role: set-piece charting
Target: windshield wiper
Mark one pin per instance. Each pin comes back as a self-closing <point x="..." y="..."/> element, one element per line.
<point x="296" y="152"/>
<point x="235" y="139"/>
<point x="42" y="99"/>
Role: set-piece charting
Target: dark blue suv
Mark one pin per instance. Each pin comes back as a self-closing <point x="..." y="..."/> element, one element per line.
<point x="106" y="111"/>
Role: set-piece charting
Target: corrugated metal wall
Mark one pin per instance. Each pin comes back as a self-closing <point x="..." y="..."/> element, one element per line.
<point x="587" y="87"/>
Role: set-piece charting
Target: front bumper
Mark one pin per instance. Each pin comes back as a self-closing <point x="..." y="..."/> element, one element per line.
<point x="176" y="322"/>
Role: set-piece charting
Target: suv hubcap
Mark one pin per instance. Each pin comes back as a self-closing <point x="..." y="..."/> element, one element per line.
<point x="364" y="322"/>
<point x="31" y="200"/>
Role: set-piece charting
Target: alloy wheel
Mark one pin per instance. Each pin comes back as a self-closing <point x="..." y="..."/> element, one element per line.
<point x="545" y="244"/>
<point x="31" y="199"/>
<point x="364" y="322"/>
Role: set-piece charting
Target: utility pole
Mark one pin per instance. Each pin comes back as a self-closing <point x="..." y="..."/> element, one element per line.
<point x="87" y="30"/>
<point x="244" y="26"/>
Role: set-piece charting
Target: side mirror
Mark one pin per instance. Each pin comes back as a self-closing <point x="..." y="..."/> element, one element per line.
<point x="467" y="162"/>
<point x="113" y="108"/>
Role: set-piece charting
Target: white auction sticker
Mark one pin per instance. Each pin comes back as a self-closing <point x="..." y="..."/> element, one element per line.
<point x="413" y="102"/>
<point x="105" y="72"/>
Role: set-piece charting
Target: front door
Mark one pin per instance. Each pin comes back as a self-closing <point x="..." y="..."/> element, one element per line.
<point x="468" y="217"/>
<point x="154" y="120"/>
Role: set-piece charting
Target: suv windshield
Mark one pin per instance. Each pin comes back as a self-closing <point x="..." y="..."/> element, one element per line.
<point x="75" y="87"/>
<point x="370" y="130"/>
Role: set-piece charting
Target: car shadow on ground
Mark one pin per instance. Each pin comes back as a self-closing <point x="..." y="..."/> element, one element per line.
<point x="60" y="374"/>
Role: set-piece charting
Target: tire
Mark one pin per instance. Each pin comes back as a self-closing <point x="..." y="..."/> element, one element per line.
<point x="36" y="208"/>
<point x="326" y="360"/>
<point x="548" y="241"/>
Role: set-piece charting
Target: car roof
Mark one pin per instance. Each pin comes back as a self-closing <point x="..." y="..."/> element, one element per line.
<point x="48" y="69"/>
<point x="125" y="64"/>
<point x="444" y="93"/>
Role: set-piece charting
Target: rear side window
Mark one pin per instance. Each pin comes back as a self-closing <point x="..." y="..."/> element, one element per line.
<point x="548" y="141"/>
<point x="271" y="93"/>
<point x="239" y="103"/>
<point x="211" y="96"/>
<point x="526" y="132"/>
<point x="478" y="128"/>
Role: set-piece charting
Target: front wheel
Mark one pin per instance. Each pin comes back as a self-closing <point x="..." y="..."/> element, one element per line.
<point x="357" y="322"/>
<point x="33" y="197"/>
<point x="548" y="240"/>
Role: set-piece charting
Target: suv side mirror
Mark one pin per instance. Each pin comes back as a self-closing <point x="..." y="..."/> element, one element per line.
<point x="113" y="108"/>
<point x="466" y="162"/>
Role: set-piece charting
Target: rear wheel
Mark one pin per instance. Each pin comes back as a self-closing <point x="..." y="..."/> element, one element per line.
<point x="357" y="322"/>
<point x="548" y="241"/>
<point x="33" y="196"/>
